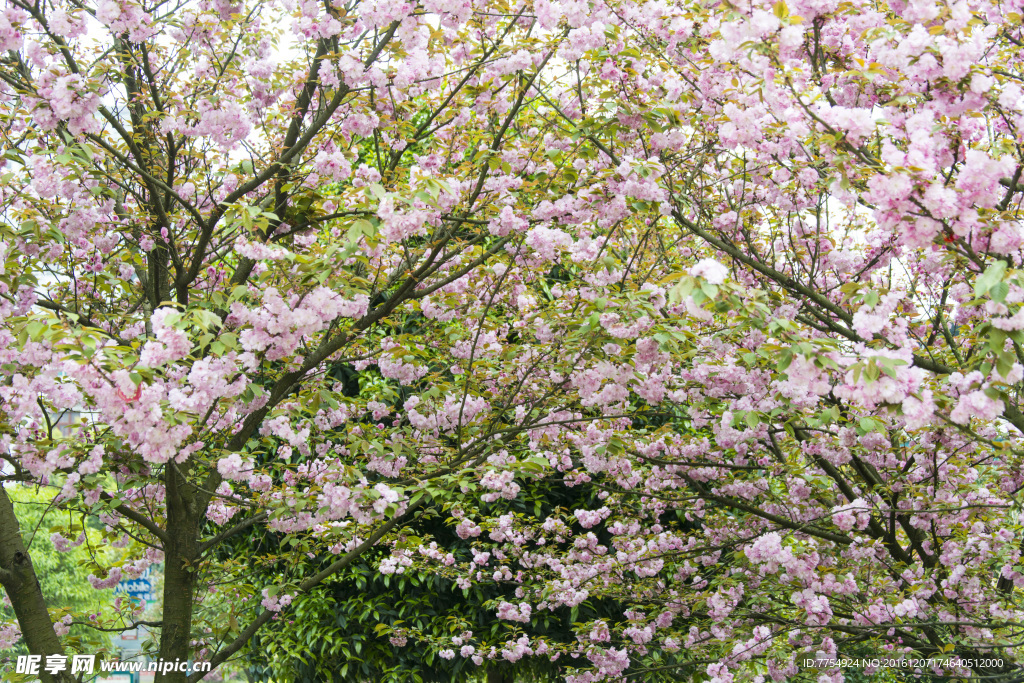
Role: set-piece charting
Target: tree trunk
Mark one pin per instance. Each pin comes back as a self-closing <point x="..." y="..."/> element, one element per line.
<point x="181" y="554"/>
<point x="18" y="577"/>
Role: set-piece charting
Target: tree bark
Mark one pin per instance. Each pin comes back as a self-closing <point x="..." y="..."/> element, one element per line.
<point x="18" y="577"/>
<point x="181" y="554"/>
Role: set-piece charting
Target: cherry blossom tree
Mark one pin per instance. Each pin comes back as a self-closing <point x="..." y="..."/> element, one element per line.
<point x="750" y="270"/>
<point x="840" y="345"/>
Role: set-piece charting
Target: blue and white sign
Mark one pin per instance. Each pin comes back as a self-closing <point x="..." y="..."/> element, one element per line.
<point x="137" y="588"/>
<point x="140" y="589"/>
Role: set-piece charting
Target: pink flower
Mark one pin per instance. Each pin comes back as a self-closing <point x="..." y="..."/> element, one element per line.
<point x="976" y="404"/>
<point x="856" y="514"/>
<point x="506" y="222"/>
<point x="122" y="16"/>
<point x="856" y="123"/>
<point x="547" y="242"/>
<point x="509" y="612"/>
<point x="68" y="98"/>
<point x="10" y="633"/>
<point x="710" y="270"/>
<point x="225" y="122"/>
<point x="234" y="468"/>
<point x="11" y="36"/>
<point x="275" y="603"/>
<point x="113" y="578"/>
<point x="590" y="518"/>
<point x="467" y="529"/>
<point x="1008" y="239"/>
<point x="918" y="412"/>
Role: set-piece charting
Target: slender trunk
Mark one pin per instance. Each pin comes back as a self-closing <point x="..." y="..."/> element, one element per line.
<point x="156" y="262"/>
<point x="18" y="577"/>
<point x="181" y="554"/>
<point x="175" y="638"/>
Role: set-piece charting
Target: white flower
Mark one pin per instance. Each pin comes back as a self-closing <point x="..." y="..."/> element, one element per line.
<point x="710" y="270"/>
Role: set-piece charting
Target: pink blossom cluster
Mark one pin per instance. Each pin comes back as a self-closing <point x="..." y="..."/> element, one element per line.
<point x="10" y="634"/>
<point x="744" y="278"/>
<point x="11" y="20"/>
<point x="113" y="578"/>
<point x="856" y="514"/>
<point x="125" y="17"/>
<point x="396" y="367"/>
<point x="397" y="563"/>
<point x="277" y="327"/>
<point x="70" y="98"/>
<point x="510" y="612"/>
<point x="259" y="251"/>
<point x="226" y="123"/>
<point x="591" y="518"/>
<point x="276" y="603"/>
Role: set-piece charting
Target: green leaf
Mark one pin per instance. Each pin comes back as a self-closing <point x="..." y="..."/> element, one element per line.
<point x="990" y="278"/>
<point x="868" y="424"/>
<point x="681" y="290"/>
<point x="1004" y="364"/>
<point x="871" y="372"/>
<point x="35" y="329"/>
